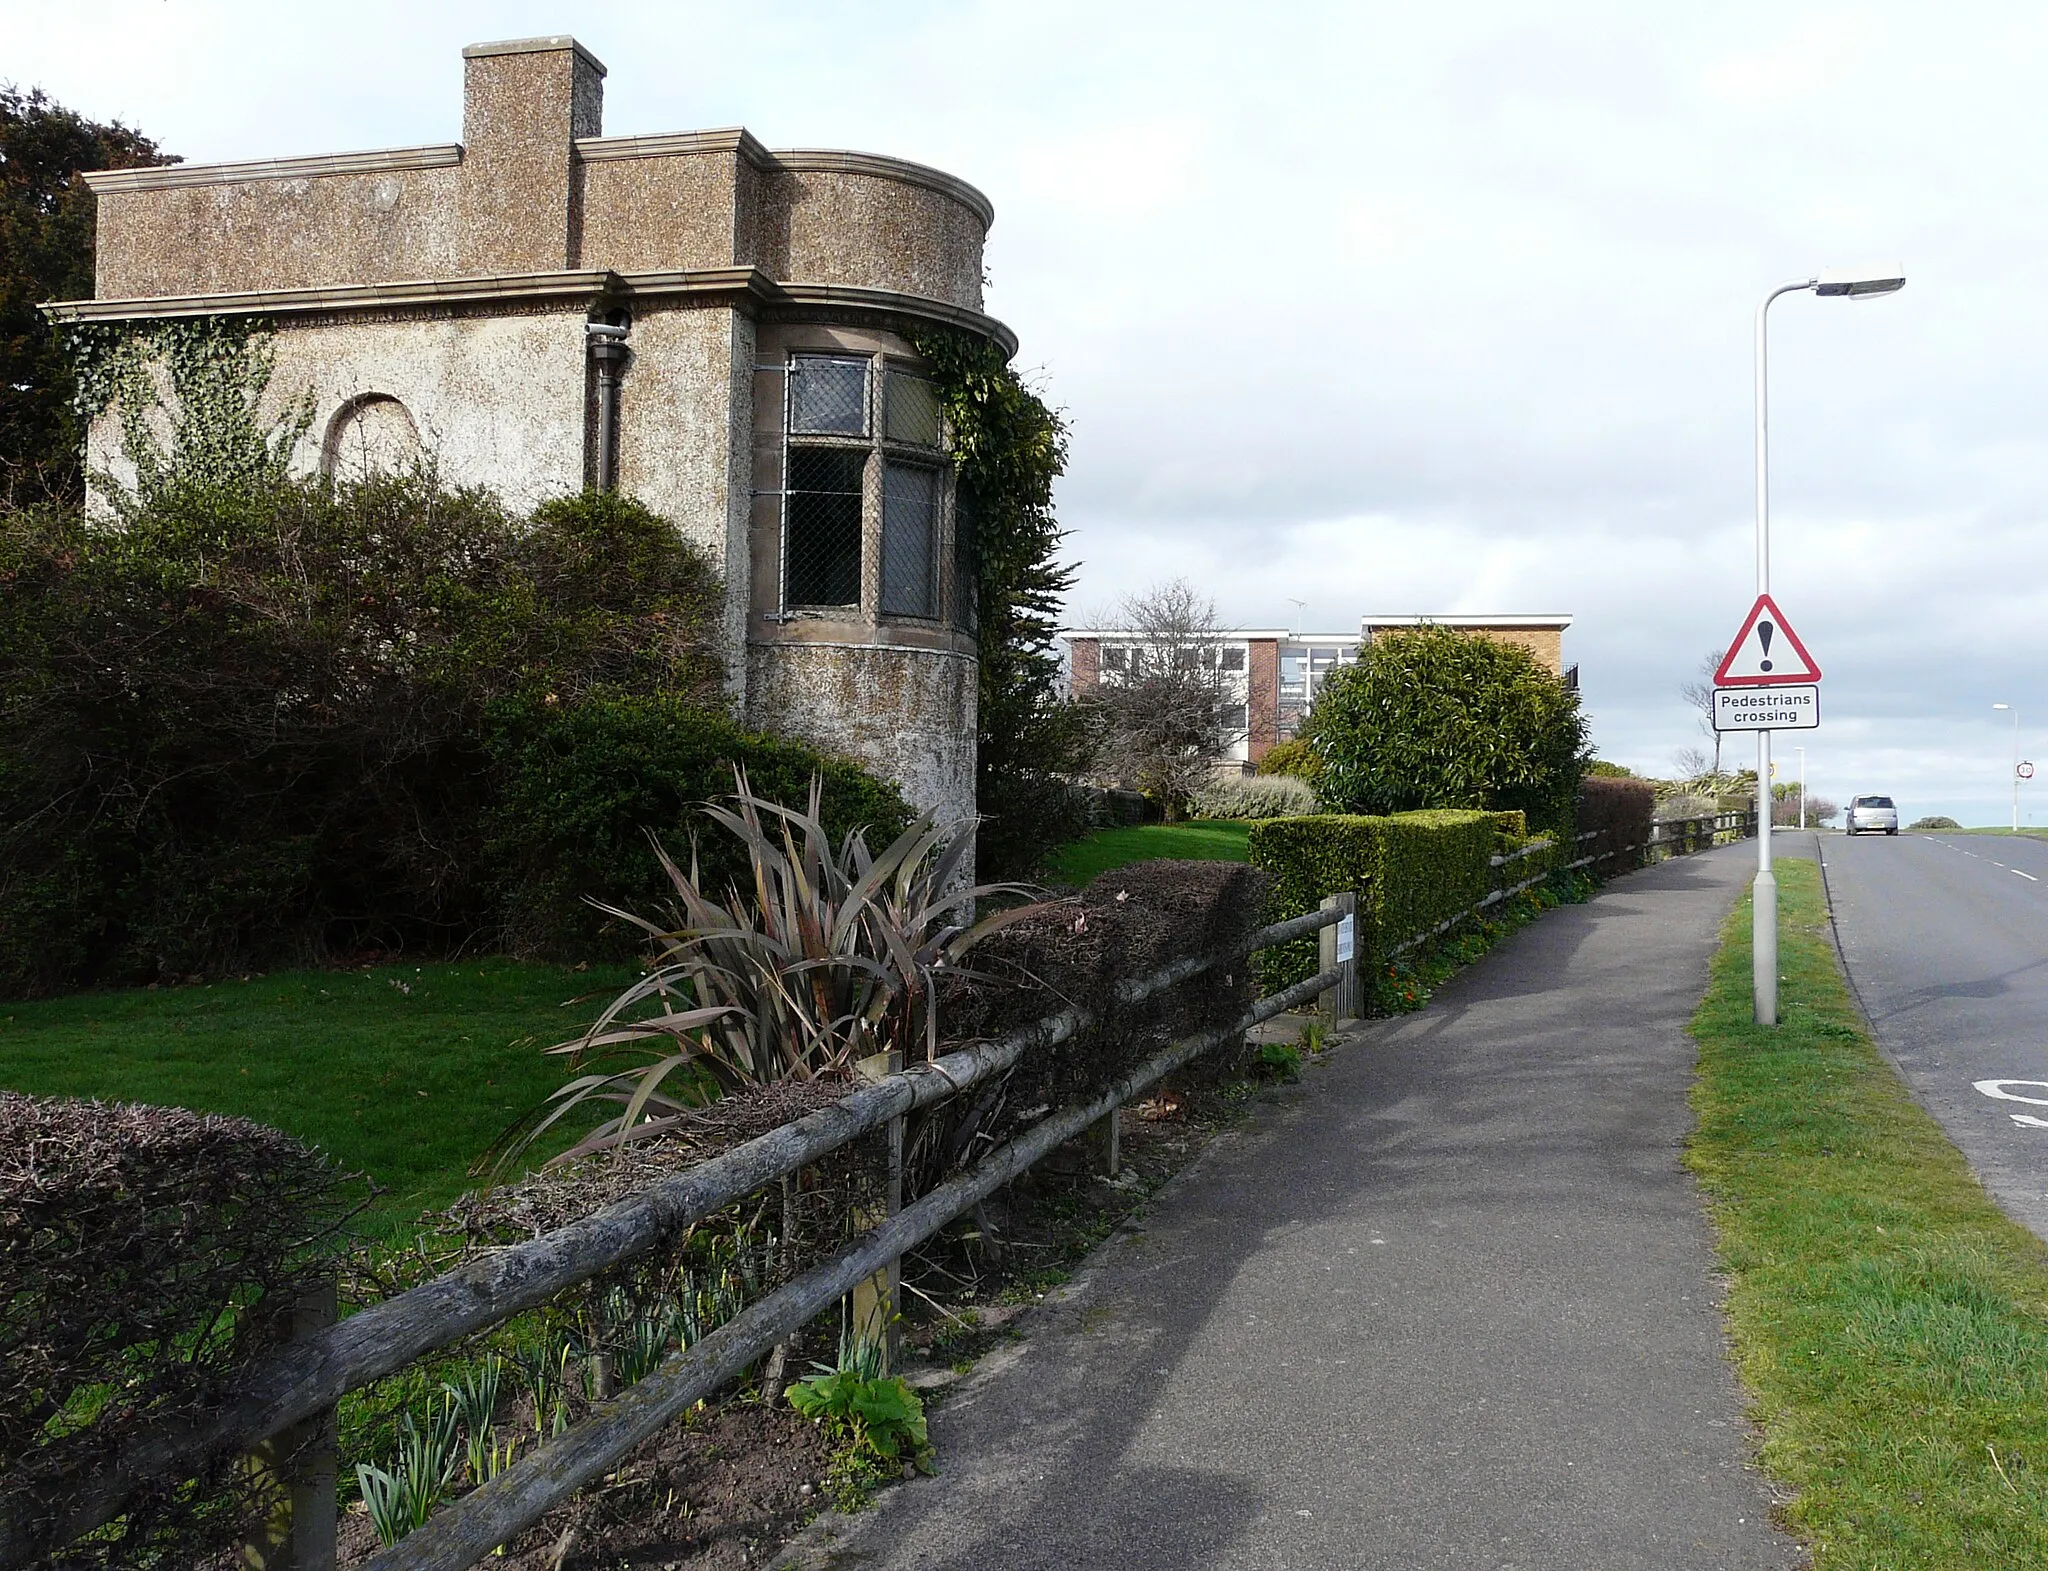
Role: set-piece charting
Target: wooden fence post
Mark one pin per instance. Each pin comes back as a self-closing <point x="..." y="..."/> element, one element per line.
<point x="1337" y="949"/>
<point x="295" y="1467"/>
<point x="873" y="1302"/>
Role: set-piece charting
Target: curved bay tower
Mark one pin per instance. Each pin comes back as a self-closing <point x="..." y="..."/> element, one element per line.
<point x="725" y="332"/>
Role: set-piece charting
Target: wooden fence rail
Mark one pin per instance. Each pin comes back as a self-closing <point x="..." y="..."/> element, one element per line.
<point x="303" y="1379"/>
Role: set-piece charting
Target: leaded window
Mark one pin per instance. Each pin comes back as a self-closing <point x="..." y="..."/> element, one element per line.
<point x="910" y="540"/>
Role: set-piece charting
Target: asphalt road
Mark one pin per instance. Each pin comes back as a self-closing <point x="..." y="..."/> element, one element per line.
<point x="1450" y="1305"/>
<point x="1946" y="940"/>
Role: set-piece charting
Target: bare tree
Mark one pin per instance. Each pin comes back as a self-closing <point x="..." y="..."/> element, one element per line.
<point x="1170" y="708"/>
<point x="1699" y="692"/>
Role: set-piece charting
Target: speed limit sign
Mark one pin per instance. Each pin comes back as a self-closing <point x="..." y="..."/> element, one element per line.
<point x="2026" y="769"/>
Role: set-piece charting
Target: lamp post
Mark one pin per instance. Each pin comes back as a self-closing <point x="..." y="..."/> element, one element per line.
<point x="1849" y="283"/>
<point x="1802" y="785"/>
<point x="2015" y="763"/>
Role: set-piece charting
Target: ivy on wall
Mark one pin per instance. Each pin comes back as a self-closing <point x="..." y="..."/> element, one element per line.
<point x="1009" y="447"/>
<point x="189" y="394"/>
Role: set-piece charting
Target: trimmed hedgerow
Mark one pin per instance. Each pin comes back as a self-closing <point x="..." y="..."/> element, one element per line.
<point x="146" y="1252"/>
<point x="1410" y="871"/>
<point x="1622" y="811"/>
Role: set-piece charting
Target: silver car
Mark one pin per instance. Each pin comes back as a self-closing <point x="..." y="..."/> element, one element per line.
<point x="1867" y="813"/>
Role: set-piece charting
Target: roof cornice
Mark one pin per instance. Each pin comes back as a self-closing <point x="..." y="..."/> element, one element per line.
<point x="566" y="288"/>
<point x="377" y="161"/>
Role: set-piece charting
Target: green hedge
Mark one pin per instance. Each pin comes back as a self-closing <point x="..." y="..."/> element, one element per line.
<point x="1411" y="871"/>
<point x="580" y="788"/>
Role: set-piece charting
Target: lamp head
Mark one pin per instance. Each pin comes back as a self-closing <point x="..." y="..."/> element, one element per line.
<point x="2001" y="706"/>
<point x="1861" y="283"/>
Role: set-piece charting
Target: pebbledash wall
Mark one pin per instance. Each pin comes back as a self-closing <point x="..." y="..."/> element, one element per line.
<point x="719" y="330"/>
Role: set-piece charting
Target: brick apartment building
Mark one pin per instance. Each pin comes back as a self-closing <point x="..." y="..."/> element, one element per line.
<point x="1277" y="673"/>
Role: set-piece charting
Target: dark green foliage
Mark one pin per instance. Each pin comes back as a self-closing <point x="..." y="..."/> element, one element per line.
<point x="46" y="246"/>
<point x="1009" y="448"/>
<point x="247" y="728"/>
<point x="1410" y="872"/>
<point x="1438" y="718"/>
<point x="1618" y="814"/>
<point x="580" y="786"/>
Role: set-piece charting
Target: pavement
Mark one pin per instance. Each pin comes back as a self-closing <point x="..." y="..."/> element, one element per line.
<point x="1449" y="1303"/>
<point x="1945" y="938"/>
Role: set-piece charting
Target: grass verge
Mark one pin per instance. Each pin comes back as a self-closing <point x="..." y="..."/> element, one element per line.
<point x="406" y="1073"/>
<point x="1890" y="1322"/>
<point x="1210" y="840"/>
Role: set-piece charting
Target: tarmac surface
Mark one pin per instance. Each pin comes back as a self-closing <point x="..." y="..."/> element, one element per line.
<point x="1946" y="940"/>
<point x="1451" y="1303"/>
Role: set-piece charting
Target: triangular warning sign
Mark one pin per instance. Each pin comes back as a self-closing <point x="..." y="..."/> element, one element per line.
<point x="1766" y="652"/>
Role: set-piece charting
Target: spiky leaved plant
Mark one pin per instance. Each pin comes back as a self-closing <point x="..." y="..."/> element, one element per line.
<point x="829" y="956"/>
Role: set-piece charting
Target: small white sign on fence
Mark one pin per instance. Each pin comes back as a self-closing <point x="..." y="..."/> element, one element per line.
<point x="1345" y="929"/>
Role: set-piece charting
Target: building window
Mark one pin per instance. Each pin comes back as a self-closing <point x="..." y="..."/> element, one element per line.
<point x="1115" y="658"/>
<point x="822" y="542"/>
<point x="910" y="540"/>
<point x="848" y="416"/>
<point x="910" y="407"/>
<point x="828" y="395"/>
<point x="1234" y="721"/>
<point x="1233" y="658"/>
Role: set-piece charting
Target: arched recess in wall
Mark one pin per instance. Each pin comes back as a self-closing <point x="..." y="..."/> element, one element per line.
<point x="371" y="434"/>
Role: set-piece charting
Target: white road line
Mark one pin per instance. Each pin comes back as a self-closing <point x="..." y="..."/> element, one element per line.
<point x="2029" y="877"/>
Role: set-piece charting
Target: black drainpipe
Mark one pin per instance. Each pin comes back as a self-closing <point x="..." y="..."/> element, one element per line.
<point x="608" y="353"/>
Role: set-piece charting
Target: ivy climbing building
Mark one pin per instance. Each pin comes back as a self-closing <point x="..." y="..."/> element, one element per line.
<point x="728" y="333"/>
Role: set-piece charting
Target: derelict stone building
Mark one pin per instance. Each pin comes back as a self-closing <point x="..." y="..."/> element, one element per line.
<point x="720" y="330"/>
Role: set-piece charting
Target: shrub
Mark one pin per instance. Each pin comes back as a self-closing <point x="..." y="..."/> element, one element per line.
<point x="819" y="957"/>
<point x="1934" y="821"/>
<point x="1410" y="871"/>
<point x="1436" y="718"/>
<point x="145" y="1252"/>
<point x="1619" y="813"/>
<point x="252" y="728"/>
<point x="1267" y="796"/>
<point x="1294" y="757"/>
<point x="580" y="789"/>
<point x="1126" y="923"/>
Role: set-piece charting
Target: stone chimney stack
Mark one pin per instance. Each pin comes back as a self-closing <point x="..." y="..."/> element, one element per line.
<point x="524" y="102"/>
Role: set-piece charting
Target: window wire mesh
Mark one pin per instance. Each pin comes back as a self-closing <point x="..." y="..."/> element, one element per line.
<point x="910" y="409"/>
<point x="828" y="396"/>
<point x="966" y="565"/>
<point x="821" y="531"/>
<point x="910" y="527"/>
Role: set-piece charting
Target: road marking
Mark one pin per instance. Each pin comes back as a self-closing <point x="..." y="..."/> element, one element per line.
<point x="1996" y="1088"/>
<point x="2030" y="1120"/>
<point x="2029" y="877"/>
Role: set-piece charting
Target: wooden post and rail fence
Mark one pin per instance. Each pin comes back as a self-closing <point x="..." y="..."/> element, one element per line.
<point x="281" y="1411"/>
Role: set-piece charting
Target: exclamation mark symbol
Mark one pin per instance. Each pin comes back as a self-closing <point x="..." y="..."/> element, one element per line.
<point x="1763" y="633"/>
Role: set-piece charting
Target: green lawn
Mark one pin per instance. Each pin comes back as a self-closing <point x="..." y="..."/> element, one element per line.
<point x="1211" y="840"/>
<point x="1890" y="1322"/>
<point x="406" y="1073"/>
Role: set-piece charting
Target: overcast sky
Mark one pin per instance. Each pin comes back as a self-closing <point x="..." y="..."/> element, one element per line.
<point x="1399" y="307"/>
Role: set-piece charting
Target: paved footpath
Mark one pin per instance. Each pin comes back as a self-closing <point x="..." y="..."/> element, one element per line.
<point x="1449" y="1305"/>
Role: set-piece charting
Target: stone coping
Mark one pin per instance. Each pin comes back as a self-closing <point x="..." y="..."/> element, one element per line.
<point x="800" y="160"/>
<point x="568" y="288"/>
<point x="375" y="161"/>
<point x="534" y="46"/>
<point x="590" y="149"/>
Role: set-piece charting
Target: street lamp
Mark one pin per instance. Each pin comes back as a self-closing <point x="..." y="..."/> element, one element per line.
<point x="1855" y="284"/>
<point x="2015" y="763"/>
